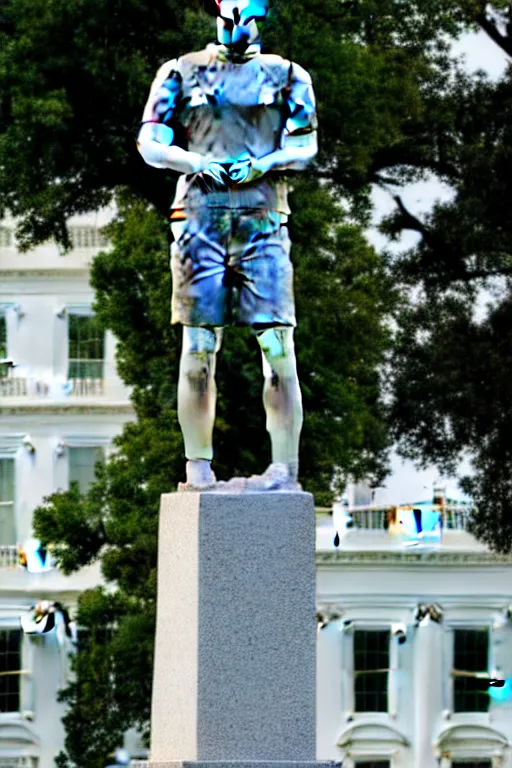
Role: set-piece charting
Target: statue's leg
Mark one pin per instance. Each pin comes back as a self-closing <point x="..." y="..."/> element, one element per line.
<point x="196" y="401"/>
<point x="282" y="398"/>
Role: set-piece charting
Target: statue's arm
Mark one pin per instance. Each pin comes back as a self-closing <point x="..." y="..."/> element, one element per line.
<point x="156" y="137"/>
<point x="299" y="143"/>
<point x="296" y="153"/>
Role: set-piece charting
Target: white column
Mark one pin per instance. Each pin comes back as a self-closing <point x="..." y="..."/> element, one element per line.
<point x="330" y="666"/>
<point x="60" y="342"/>
<point x="428" y="690"/>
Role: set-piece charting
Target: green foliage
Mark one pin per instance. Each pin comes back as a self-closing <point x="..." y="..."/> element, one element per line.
<point x="111" y="690"/>
<point x="74" y="76"/>
<point x="452" y="362"/>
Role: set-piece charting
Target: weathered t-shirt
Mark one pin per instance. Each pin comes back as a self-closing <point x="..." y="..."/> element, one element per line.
<point x="208" y="104"/>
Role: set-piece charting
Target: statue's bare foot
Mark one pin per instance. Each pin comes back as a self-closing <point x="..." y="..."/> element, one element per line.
<point x="277" y="477"/>
<point x="200" y="476"/>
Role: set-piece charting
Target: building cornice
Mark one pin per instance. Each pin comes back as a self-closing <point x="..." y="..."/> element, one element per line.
<point x="106" y="408"/>
<point x="44" y="274"/>
<point x="434" y="559"/>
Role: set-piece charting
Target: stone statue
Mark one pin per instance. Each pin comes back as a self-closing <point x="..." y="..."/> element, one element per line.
<point x="232" y="121"/>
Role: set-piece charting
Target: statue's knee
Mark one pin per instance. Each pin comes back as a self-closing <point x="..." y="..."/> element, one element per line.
<point x="200" y="342"/>
<point x="278" y="350"/>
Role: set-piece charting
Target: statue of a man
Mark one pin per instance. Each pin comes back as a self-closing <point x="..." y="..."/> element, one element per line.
<point x="232" y="121"/>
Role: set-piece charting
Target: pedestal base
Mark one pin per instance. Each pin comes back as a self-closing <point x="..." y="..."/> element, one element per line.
<point x="234" y="677"/>
<point x="244" y="764"/>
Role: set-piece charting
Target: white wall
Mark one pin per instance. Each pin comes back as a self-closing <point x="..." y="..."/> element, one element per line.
<point x="375" y="589"/>
<point x="35" y="287"/>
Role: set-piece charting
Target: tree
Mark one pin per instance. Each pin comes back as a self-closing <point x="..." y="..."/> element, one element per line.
<point x="453" y="364"/>
<point x="73" y="79"/>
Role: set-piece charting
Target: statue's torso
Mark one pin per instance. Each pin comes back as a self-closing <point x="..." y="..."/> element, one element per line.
<point x="228" y="109"/>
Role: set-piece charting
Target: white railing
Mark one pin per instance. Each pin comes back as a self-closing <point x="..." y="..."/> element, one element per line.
<point x="87" y="386"/>
<point x="87" y="237"/>
<point x="19" y="762"/>
<point x="13" y="386"/>
<point x="454" y="517"/>
<point x="9" y="558"/>
<point x="369" y="518"/>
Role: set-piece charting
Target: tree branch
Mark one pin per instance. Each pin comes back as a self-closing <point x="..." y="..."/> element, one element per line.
<point x="409" y="221"/>
<point x="504" y="41"/>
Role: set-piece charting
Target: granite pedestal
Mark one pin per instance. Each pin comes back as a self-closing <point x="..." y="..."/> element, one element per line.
<point x="234" y="675"/>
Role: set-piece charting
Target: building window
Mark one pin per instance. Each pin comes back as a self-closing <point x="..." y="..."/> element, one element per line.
<point x="472" y="764"/>
<point x="373" y="764"/>
<point x="87" y="237"/>
<point x="86" y="347"/>
<point x="5" y="237"/>
<point x="3" y="336"/>
<point x="371" y="668"/>
<point x="470" y="656"/>
<point x="7" y="522"/>
<point x="10" y="666"/>
<point x="4" y="368"/>
<point x="82" y="463"/>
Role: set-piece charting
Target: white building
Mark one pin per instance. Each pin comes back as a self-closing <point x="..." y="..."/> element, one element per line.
<point x="395" y="693"/>
<point x="382" y="703"/>
<point x="61" y="404"/>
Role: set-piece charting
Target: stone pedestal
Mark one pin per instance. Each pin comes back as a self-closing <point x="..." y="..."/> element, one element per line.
<point x="234" y="675"/>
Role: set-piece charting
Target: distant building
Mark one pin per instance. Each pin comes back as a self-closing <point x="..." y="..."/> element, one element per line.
<point x="410" y="635"/>
<point x="409" y="638"/>
<point x="61" y="404"/>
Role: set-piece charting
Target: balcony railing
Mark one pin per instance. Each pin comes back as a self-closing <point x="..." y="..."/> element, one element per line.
<point x="19" y="762"/>
<point x="87" y="386"/>
<point x="9" y="557"/>
<point x="454" y="517"/>
<point x="13" y="386"/>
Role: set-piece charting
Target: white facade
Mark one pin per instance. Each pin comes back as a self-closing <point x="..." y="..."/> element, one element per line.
<point x="373" y="584"/>
<point x="56" y="417"/>
<point x="50" y="422"/>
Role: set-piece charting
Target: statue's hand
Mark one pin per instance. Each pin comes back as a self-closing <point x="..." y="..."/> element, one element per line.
<point x="219" y="171"/>
<point x="231" y="173"/>
<point x="250" y="169"/>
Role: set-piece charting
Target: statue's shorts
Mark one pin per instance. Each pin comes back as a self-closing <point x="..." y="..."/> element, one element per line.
<point x="231" y="267"/>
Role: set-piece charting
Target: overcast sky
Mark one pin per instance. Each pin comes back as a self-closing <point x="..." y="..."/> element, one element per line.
<point x="406" y="483"/>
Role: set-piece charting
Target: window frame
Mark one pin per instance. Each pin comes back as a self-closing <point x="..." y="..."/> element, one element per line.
<point x="91" y="447"/>
<point x="77" y="441"/>
<point x="12" y="502"/>
<point x="26" y="686"/>
<point x="85" y="311"/>
<point x="3" y="322"/>
<point x="476" y="626"/>
<point x="361" y="759"/>
<point x="10" y="447"/>
<point x="372" y="628"/>
<point x="347" y="667"/>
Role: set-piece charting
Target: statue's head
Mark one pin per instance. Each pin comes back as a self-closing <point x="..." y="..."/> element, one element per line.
<point x="236" y="22"/>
